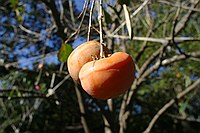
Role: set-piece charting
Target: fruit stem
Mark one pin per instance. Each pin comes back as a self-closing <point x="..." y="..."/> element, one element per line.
<point x="101" y="28"/>
<point x="90" y="20"/>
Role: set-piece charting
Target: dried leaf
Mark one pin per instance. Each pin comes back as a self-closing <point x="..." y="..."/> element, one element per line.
<point x="128" y="21"/>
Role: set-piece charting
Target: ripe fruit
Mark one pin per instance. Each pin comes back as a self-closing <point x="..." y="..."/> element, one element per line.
<point x="178" y="75"/>
<point x="108" y="77"/>
<point x="81" y="55"/>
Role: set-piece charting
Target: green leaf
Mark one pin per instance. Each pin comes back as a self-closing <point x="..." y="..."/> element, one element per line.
<point x="187" y="81"/>
<point x="128" y="21"/>
<point x="64" y="52"/>
<point x="11" y="93"/>
<point x="13" y="2"/>
<point x="183" y="106"/>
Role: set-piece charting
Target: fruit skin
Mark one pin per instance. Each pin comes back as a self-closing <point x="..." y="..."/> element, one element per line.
<point x="108" y="77"/>
<point x="81" y="55"/>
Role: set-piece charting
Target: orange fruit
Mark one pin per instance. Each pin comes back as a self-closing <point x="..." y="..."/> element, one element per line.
<point x="82" y="54"/>
<point x="178" y="75"/>
<point x="108" y="77"/>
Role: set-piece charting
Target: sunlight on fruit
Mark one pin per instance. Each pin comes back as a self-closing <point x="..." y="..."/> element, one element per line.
<point x="81" y="55"/>
<point x="108" y="77"/>
<point x="102" y="78"/>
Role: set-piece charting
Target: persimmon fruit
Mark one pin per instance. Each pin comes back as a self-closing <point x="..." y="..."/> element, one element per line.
<point x="82" y="54"/>
<point x="108" y="77"/>
<point x="178" y="75"/>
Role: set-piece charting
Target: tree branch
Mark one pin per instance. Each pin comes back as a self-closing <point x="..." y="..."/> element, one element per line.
<point x="132" y="15"/>
<point x="79" y="27"/>
<point x="169" y="104"/>
<point x="156" y="40"/>
<point x="56" y="15"/>
<point x="31" y="97"/>
<point x="181" y="24"/>
<point x="90" y="20"/>
<point x="182" y="118"/>
<point x="138" y="81"/>
<point x="82" y="109"/>
<point x="176" y="5"/>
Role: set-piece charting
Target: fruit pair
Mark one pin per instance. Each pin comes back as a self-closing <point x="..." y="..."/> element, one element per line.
<point x="102" y="78"/>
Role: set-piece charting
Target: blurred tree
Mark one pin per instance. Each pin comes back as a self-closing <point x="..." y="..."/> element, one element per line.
<point x="38" y="95"/>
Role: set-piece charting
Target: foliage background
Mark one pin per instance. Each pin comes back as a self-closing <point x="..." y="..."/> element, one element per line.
<point x="38" y="95"/>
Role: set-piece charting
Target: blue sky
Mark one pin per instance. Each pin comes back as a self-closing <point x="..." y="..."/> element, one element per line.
<point x="79" y="4"/>
<point x="24" y="61"/>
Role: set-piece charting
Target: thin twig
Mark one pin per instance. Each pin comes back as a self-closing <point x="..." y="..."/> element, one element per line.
<point x="101" y="27"/>
<point x="30" y="97"/>
<point x="30" y="59"/>
<point x="41" y="69"/>
<point x="56" y="16"/>
<point x="169" y="104"/>
<point x="158" y="40"/>
<point x="138" y="81"/>
<point x="52" y="80"/>
<point x="189" y="119"/>
<point x="132" y="15"/>
<point x="78" y="93"/>
<point x="79" y="27"/>
<point x="72" y="14"/>
<point x="82" y="109"/>
<point x="90" y="20"/>
<point x="24" y="90"/>
<point x="174" y="23"/>
<point x="176" y="5"/>
<point x="61" y="10"/>
<point x="84" y="6"/>
<point x="29" y="31"/>
<point x="181" y="24"/>
<point x="52" y="91"/>
<point x="144" y="46"/>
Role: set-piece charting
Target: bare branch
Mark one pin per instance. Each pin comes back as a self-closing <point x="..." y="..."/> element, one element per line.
<point x="82" y="109"/>
<point x="167" y="62"/>
<point x="56" y="15"/>
<point x="176" y="5"/>
<point x="138" y="81"/>
<point x="36" y="58"/>
<point x="30" y="97"/>
<point x="29" y="31"/>
<point x="150" y="59"/>
<point x="181" y="24"/>
<point x="90" y="20"/>
<point x="169" y="104"/>
<point x="132" y="15"/>
<point x="61" y="10"/>
<point x="100" y="17"/>
<point x="157" y="40"/>
<point x="52" y="91"/>
<point x="79" y="27"/>
<point x="72" y="14"/>
<point x="182" y="118"/>
<point x="144" y="46"/>
<point x="180" y="57"/>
